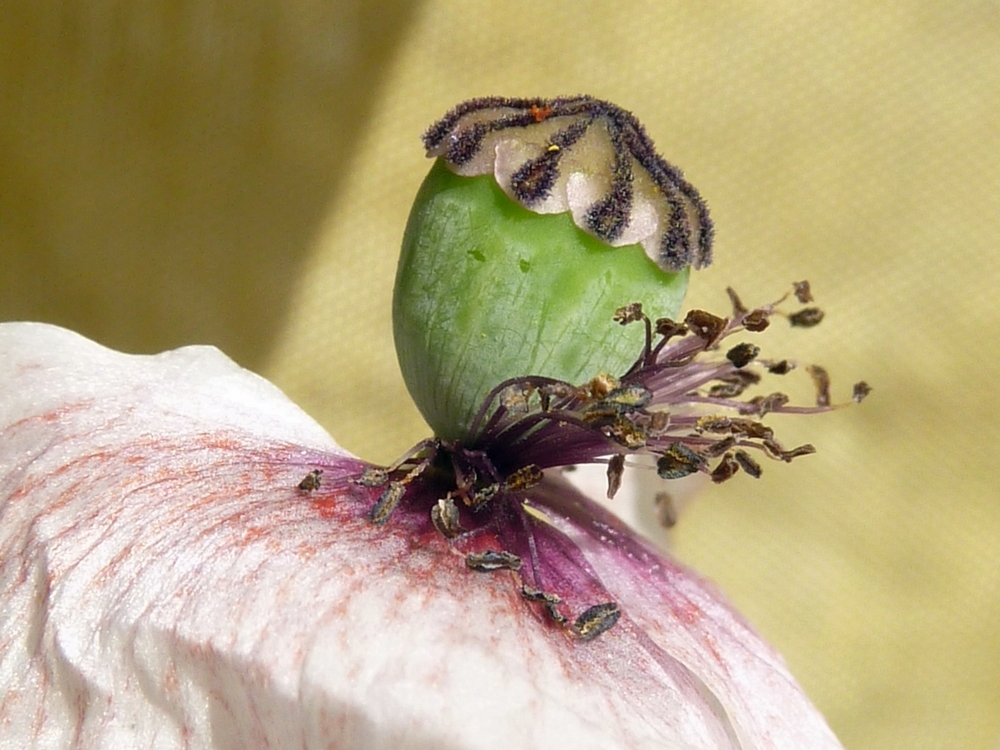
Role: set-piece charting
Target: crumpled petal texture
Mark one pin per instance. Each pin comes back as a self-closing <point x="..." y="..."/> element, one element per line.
<point x="164" y="583"/>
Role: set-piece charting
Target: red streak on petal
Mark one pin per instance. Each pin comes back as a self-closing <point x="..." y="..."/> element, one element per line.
<point x="688" y="612"/>
<point x="253" y="533"/>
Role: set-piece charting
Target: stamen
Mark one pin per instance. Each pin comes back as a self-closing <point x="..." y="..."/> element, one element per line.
<point x="680" y="402"/>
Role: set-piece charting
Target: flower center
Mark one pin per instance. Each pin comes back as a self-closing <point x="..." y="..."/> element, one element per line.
<point x="682" y="401"/>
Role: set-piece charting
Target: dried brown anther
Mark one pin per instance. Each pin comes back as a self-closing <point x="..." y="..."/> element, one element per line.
<point x="726" y="390"/>
<point x="746" y="463"/>
<point x="752" y="429"/>
<point x="738" y="307"/>
<point x="802" y="292"/>
<point x="716" y="449"/>
<point x="616" y="469"/>
<point x="659" y="422"/>
<point x="742" y="354"/>
<point x="705" y="325"/>
<point x="732" y="384"/>
<point x="714" y="423"/>
<point x="774" y="450"/>
<point x="678" y="461"/>
<point x="860" y="391"/>
<point x="596" y="620"/>
<point x="626" y="433"/>
<point x="311" y="481"/>
<point x="600" y="386"/>
<point x="491" y="560"/>
<point x="668" y="329"/>
<point x="821" y="379"/>
<point x="373" y="476"/>
<point x="482" y="495"/>
<point x="387" y="502"/>
<point x="630" y="313"/>
<point x="444" y="516"/>
<point x="757" y="320"/>
<point x="806" y="317"/>
<point x="725" y="469"/>
<point x="769" y="403"/>
<point x="516" y="398"/>
<point x="720" y="424"/>
<point x="547" y="600"/>
<point x="523" y="478"/>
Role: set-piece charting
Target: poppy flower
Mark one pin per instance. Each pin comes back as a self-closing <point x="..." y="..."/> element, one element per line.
<point x="187" y="559"/>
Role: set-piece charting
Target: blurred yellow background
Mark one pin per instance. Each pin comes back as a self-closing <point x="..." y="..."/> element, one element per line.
<point x="239" y="173"/>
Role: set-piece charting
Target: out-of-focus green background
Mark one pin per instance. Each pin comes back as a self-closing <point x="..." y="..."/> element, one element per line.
<point x="239" y="173"/>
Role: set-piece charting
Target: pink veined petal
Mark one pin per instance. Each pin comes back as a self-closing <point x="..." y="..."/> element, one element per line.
<point x="687" y="625"/>
<point x="164" y="583"/>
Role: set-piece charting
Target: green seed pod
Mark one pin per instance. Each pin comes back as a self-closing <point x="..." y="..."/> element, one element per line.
<point x="538" y="220"/>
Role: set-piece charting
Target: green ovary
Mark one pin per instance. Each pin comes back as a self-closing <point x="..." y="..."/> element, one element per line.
<point x="487" y="290"/>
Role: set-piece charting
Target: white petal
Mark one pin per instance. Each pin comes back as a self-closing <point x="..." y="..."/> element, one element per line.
<point x="163" y="583"/>
<point x="695" y="630"/>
